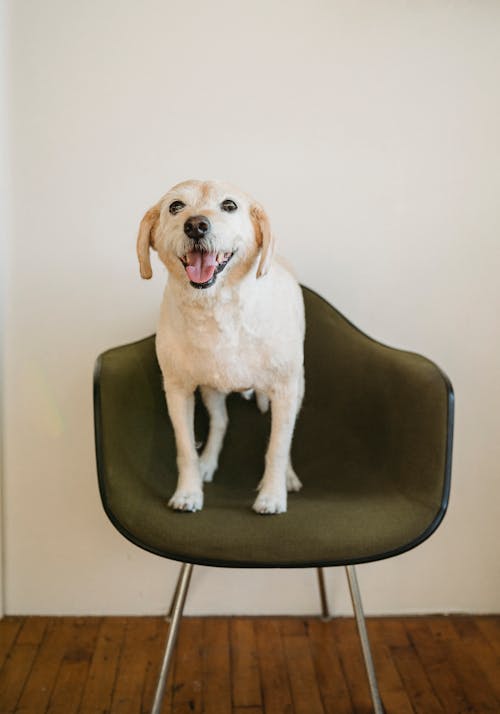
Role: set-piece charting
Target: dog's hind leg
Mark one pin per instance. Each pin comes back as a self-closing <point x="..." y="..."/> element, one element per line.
<point x="293" y="483"/>
<point x="261" y="399"/>
<point x="215" y="403"/>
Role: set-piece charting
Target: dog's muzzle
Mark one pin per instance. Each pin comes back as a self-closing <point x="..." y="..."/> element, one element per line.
<point x="201" y="264"/>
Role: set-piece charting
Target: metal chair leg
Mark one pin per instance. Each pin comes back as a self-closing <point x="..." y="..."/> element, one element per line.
<point x="175" y="614"/>
<point x="325" y="611"/>
<point x="168" y="616"/>
<point x="363" y="636"/>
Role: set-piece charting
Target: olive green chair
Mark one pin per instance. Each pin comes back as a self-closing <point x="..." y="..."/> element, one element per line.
<point x="372" y="447"/>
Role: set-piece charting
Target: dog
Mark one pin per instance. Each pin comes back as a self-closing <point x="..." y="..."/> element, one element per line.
<point x="231" y="320"/>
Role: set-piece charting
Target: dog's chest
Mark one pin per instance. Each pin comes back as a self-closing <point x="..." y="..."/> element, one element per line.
<point x="223" y="347"/>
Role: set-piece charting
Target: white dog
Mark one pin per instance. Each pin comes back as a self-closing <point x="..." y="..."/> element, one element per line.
<point x="232" y="320"/>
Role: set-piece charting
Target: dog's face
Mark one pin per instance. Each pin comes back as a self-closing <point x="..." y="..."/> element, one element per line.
<point x="206" y="233"/>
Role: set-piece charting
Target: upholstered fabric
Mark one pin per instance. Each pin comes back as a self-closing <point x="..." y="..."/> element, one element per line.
<point x="372" y="447"/>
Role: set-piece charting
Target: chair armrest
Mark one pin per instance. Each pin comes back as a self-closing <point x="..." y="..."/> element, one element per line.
<point x="391" y="411"/>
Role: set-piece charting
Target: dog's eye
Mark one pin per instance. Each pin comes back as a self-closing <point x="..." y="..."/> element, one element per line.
<point x="176" y="206"/>
<point x="228" y="205"/>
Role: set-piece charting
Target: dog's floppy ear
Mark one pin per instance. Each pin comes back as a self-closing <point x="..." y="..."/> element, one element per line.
<point x="145" y="240"/>
<point x="264" y="237"/>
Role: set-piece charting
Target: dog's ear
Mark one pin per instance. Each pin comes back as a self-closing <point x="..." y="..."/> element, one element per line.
<point x="264" y="237"/>
<point x="145" y="240"/>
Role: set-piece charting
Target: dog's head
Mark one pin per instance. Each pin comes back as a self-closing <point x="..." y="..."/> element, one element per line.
<point x="206" y="232"/>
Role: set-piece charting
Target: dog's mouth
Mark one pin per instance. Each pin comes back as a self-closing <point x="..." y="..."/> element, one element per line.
<point x="202" y="267"/>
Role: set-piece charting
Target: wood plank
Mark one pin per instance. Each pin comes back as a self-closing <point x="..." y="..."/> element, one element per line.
<point x="390" y="630"/>
<point x="245" y="667"/>
<point x="32" y="631"/>
<point x="9" y="630"/>
<point x="480" y="648"/>
<point x="216" y="666"/>
<point x="472" y="678"/>
<point x="384" y="633"/>
<point x="103" y="670"/>
<point x="70" y="682"/>
<point x="419" y="692"/>
<point x="19" y="662"/>
<point x="349" y="649"/>
<point x="276" y="692"/>
<point x="418" y="687"/>
<point x="413" y="673"/>
<point x="489" y="625"/>
<point x="433" y="657"/>
<point x="188" y="675"/>
<point x="293" y="625"/>
<point x="38" y="689"/>
<point x="303" y="683"/>
<point x="248" y="710"/>
<point x="329" y="671"/>
<point x="140" y="635"/>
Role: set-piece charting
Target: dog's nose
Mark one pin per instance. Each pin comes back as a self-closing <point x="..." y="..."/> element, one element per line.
<point x="196" y="227"/>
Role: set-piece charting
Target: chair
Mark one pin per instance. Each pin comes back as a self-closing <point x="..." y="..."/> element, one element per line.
<point x="372" y="447"/>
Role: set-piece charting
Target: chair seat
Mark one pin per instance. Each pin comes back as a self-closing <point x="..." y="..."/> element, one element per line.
<point x="372" y="448"/>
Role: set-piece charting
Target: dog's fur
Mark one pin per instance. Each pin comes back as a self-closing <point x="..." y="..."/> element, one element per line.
<point x="242" y="333"/>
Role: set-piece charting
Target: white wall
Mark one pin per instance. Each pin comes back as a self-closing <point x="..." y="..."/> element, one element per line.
<point x="370" y="131"/>
<point x="4" y="226"/>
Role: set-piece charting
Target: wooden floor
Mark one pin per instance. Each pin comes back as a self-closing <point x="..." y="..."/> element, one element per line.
<point x="444" y="665"/>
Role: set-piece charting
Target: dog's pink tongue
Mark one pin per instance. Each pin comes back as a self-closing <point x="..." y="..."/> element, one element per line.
<point x="201" y="266"/>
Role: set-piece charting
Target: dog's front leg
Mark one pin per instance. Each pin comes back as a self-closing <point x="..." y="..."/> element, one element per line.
<point x="188" y="495"/>
<point x="273" y="487"/>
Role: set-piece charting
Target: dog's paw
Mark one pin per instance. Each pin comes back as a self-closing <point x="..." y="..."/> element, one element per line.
<point x="269" y="503"/>
<point x="207" y="469"/>
<point x="293" y="483"/>
<point x="186" y="500"/>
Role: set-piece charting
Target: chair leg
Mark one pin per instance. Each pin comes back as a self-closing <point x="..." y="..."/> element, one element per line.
<point x="363" y="636"/>
<point x="168" y="616"/>
<point x="176" y="609"/>
<point x="325" y="611"/>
